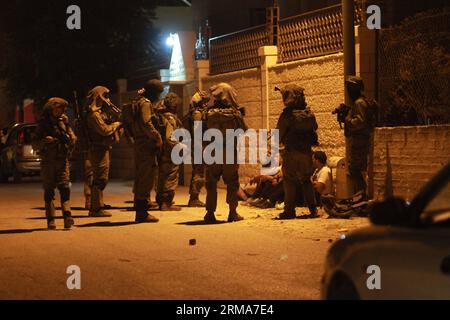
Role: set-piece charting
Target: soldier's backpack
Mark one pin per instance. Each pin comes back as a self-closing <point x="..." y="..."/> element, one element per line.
<point x="305" y="126"/>
<point x="223" y="119"/>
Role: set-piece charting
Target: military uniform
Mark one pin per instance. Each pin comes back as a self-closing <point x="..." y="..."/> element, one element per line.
<point x="147" y="143"/>
<point x="297" y="125"/>
<point x="224" y="114"/>
<point x="168" y="171"/>
<point x="358" y="131"/>
<point x="55" y="153"/>
<point x="198" y="106"/>
<point x="102" y="135"/>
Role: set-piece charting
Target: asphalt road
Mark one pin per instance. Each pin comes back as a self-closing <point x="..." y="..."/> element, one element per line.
<point x="258" y="258"/>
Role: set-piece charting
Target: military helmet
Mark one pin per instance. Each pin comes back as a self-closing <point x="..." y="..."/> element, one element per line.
<point x="153" y="87"/>
<point x="354" y="83"/>
<point x="172" y="101"/>
<point x="293" y="95"/>
<point x="224" y="93"/>
<point x="99" y="92"/>
<point x="200" y="97"/>
<point x="55" y="102"/>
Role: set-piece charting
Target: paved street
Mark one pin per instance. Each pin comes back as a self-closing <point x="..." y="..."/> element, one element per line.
<point x="258" y="258"/>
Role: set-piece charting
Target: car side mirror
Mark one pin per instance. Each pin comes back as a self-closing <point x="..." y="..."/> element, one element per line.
<point x="392" y="211"/>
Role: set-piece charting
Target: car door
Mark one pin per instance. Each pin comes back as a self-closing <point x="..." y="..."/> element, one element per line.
<point x="415" y="261"/>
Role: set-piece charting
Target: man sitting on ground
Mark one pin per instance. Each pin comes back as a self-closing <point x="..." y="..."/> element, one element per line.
<point x="322" y="178"/>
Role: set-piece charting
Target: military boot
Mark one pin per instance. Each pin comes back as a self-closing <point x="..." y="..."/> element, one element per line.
<point x="68" y="220"/>
<point x="210" y="217"/>
<point x="169" y="207"/>
<point x="142" y="216"/>
<point x="233" y="216"/>
<point x="194" y="202"/>
<point x="50" y="214"/>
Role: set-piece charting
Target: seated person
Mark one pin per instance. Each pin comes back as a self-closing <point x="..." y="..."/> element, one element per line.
<point x="269" y="190"/>
<point x="322" y="178"/>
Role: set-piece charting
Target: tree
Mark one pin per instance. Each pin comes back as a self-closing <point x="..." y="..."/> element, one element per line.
<point x="41" y="57"/>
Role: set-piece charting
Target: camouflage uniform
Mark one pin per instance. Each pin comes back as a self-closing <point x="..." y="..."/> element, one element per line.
<point x="102" y="135"/>
<point x="224" y="114"/>
<point x="199" y="104"/>
<point x="358" y="132"/>
<point x="168" y="171"/>
<point x="55" y="155"/>
<point x="297" y="125"/>
<point x="147" y="143"/>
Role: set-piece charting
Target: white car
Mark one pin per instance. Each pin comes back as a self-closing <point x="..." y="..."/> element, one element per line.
<point x="405" y="254"/>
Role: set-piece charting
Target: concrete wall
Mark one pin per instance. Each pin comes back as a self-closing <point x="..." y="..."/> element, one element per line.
<point x="408" y="157"/>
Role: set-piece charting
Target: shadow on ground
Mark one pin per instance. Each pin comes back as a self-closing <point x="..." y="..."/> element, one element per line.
<point x="106" y="224"/>
<point x="19" y="231"/>
<point x="199" y="223"/>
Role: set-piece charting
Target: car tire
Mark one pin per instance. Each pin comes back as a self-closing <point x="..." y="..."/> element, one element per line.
<point x="342" y="288"/>
<point x="17" y="175"/>
<point x="3" y="176"/>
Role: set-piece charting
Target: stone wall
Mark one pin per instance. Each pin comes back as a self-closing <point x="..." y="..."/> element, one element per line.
<point x="407" y="157"/>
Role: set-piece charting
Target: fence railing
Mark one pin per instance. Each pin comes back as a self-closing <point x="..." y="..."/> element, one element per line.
<point x="311" y="34"/>
<point x="237" y="51"/>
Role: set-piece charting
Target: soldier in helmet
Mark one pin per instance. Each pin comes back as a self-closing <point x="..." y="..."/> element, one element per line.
<point x="102" y="135"/>
<point x="55" y="141"/>
<point x="359" y="125"/>
<point x="223" y="115"/>
<point x="199" y="104"/>
<point x="297" y="125"/>
<point x="168" y="171"/>
<point x="147" y="143"/>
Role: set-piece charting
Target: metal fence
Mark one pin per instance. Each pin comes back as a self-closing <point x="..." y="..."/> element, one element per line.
<point x="315" y="33"/>
<point x="414" y="70"/>
<point x="237" y="51"/>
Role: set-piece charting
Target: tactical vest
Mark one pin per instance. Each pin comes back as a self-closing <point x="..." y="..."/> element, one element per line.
<point x="223" y="119"/>
<point x="302" y="132"/>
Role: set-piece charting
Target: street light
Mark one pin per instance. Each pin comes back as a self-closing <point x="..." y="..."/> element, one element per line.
<point x="170" y="41"/>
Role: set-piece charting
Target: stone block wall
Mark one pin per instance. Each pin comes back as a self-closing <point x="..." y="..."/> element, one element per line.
<point x="407" y="157"/>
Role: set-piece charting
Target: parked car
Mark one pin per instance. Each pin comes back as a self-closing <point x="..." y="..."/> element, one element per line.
<point x="408" y="246"/>
<point x="17" y="156"/>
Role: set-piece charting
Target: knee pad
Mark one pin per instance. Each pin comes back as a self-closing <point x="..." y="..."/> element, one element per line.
<point x="100" y="184"/>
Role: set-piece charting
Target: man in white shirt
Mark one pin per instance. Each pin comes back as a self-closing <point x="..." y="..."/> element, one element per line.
<point x="322" y="178"/>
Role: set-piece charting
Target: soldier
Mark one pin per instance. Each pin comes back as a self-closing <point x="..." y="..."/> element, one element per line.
<point x="102" y="135"/>
<point x="199" y="104"/>
<point x="359" y="124"/>
<point x="224" y="114"/>
<point x="168" y="171"/>
<point x="297" y="125"/>
<point x="55" y="141"/>
<point x="147" y="143"/>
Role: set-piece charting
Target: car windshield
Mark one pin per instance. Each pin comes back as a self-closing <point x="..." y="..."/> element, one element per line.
<point x="438" y="209"/>
<point x="26" y="135"/>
